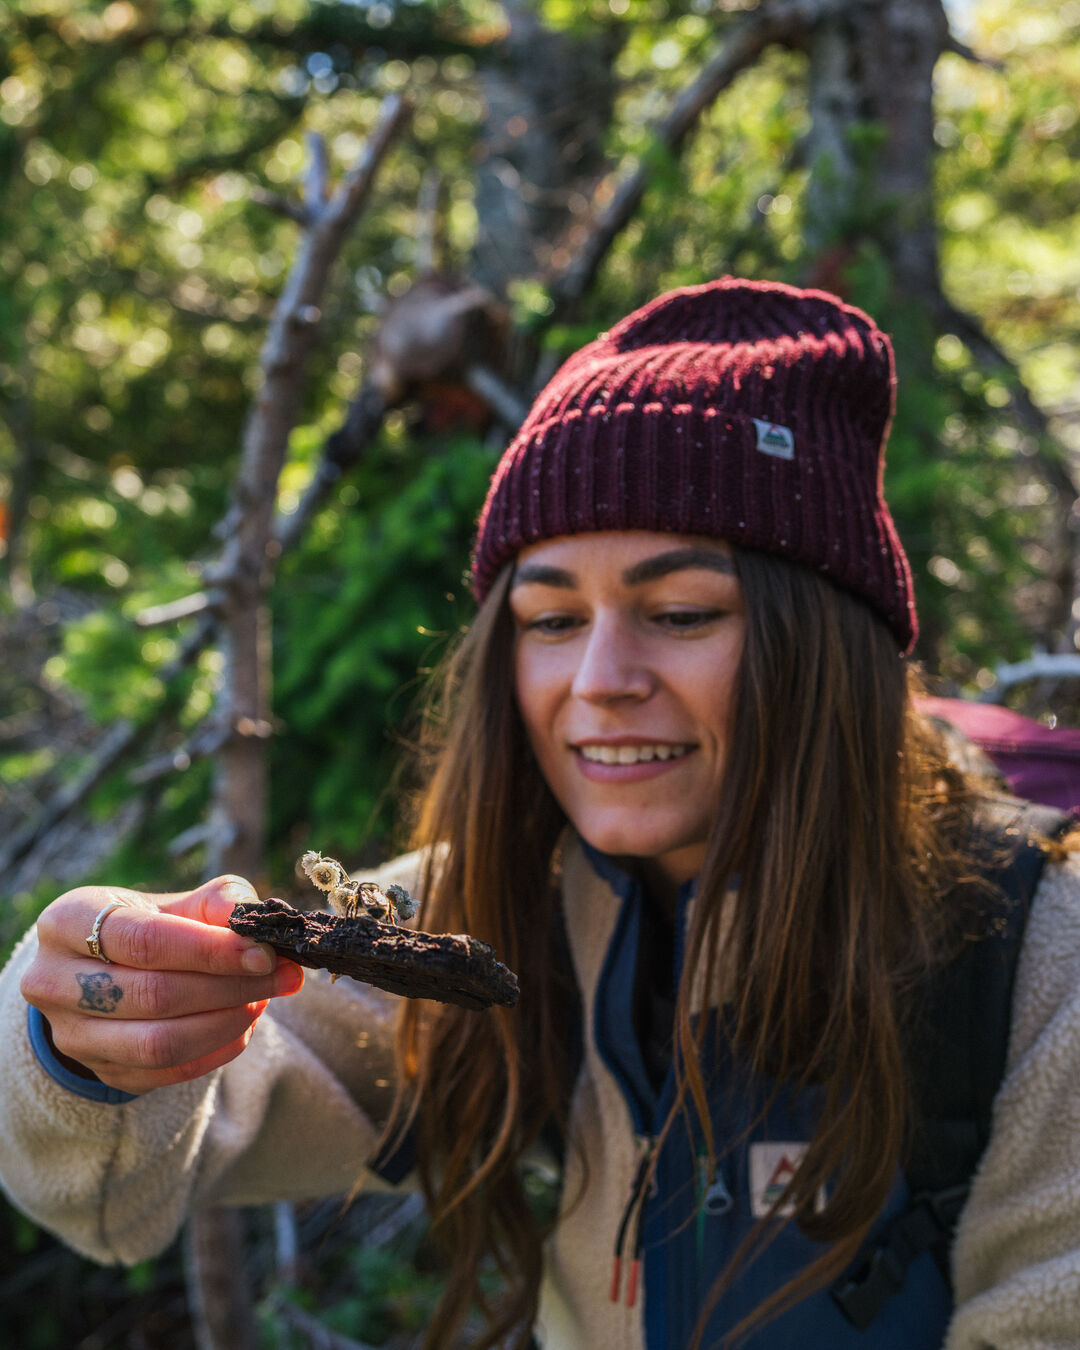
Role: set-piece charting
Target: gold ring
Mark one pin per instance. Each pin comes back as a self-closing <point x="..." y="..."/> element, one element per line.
<point x="94" y="940"/>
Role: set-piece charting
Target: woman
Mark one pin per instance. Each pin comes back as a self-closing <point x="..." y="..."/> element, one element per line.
<point x="676" y="770"/>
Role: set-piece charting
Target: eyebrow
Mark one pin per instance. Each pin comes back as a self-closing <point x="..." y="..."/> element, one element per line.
<point x="649" y="569"/>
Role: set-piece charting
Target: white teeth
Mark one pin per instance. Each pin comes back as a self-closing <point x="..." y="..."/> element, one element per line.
<point x="630" y="754"/>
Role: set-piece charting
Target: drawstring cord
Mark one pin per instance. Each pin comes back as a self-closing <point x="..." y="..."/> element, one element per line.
<point x="632" y="1216"/>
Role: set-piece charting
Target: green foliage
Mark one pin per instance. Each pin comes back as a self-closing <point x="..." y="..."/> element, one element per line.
<point x="373" y="595"/>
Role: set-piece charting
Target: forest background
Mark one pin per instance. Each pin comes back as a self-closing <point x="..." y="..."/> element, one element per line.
<point x="534" y="170"/>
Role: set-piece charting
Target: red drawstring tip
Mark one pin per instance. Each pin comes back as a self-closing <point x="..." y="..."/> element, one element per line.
<point x="616" y="1279"/>
<point x="631" y="1286"/>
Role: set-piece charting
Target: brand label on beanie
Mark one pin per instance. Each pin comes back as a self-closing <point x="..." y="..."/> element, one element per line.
<point x="773" y="439"/>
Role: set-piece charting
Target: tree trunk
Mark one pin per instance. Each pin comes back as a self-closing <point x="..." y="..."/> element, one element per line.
<point x="549" y="106"/>
<point x="217" y="1272"/>
<point x="219" y="1291"/>
<point x="871" y="143"/>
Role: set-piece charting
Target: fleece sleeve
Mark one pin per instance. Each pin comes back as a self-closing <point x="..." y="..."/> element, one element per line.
<point x="298" y="1113"/>
<point x="1016" y="1259"/>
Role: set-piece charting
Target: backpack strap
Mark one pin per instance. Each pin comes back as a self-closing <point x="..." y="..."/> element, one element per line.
<point x="957" y="1050"/>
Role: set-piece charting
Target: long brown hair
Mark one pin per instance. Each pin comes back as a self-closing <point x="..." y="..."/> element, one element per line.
<point x="846" y="828"/>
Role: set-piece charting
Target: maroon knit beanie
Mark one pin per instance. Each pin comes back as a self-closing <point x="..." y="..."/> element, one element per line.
<point x="748" y="411"/>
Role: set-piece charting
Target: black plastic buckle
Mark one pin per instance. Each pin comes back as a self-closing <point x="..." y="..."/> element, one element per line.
<point x="929" y="1218"/>
<point x="861" y="1295"/>
<point x="945" y="1205"/>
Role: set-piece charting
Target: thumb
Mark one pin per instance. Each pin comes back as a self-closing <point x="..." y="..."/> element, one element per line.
<point x="213" y="901"/>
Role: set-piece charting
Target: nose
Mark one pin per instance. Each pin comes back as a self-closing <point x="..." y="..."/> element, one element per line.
<point x="612" y="666"/>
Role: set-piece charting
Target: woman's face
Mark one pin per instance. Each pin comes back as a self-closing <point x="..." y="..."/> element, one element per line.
<point x="627" y="644"/>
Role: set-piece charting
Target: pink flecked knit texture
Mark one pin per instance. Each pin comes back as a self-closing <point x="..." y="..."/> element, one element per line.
<point x="651" y="427"/>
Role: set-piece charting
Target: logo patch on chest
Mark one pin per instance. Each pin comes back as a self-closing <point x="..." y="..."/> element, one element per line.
<point x="772" y="1166"/>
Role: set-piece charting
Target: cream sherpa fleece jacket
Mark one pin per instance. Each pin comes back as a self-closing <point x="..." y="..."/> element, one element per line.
<point x="306" y="1097"/>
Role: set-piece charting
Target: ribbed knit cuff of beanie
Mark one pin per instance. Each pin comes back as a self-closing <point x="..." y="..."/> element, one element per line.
<point x="748" y="411"/>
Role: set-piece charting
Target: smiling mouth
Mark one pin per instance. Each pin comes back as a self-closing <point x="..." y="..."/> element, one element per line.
<point x="630" y="754"/>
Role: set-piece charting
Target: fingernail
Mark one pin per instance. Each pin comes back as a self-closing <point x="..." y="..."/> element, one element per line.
<point x="290" y="977"/>
<point x="259" y="960"/>
<point x="239" y="893"/>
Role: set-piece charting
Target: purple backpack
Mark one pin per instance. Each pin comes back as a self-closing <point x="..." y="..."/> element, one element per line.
<point x="958" y="1049"/>
<point x="1039" y="763"/>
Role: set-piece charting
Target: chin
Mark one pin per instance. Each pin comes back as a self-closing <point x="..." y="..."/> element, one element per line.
<point x="628" y="841"/>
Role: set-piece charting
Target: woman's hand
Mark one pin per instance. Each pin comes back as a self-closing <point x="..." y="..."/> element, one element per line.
<point x="179" y="995"/>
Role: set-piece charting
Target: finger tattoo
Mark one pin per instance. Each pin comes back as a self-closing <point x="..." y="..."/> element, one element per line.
<point x="100" y="993"/>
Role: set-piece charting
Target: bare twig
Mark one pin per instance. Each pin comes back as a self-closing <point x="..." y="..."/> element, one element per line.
<point x="961" y="49"/>
<point x="408" y="1211"/>
<point x="174" y="610"/>
<point x="318" y="1336"/>
<point x="206" y="832"/>
<point x="317" y="181"/>
<point x="281" y="206"/>
<point x="286" y="1241"/>
<point x="349" y="199"/>
<point x="341" y="451"/>
<point x="428" y="229"/>
<point x="504" y="402"/>
<point x="206" y="740"/>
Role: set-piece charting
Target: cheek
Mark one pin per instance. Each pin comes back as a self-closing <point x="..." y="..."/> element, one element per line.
<point x="534" y="696"/>
<point x="718" y="709"/>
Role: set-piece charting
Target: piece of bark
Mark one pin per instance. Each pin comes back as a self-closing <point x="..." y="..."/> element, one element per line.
<point x="449" y="967"/>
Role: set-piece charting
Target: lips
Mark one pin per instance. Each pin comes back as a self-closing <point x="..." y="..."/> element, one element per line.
<point x="625" y="762"/>
<point x="602" y="753"/>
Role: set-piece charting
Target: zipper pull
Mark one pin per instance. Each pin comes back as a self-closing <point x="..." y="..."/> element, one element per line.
<point x="717" y="1198"/>
<point x="634" y="1206"/>
<point x="713" y="1197"/>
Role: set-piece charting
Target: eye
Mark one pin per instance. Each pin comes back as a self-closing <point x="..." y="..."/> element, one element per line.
<point x="550" y="625"/>
<point x="686" y="620"/>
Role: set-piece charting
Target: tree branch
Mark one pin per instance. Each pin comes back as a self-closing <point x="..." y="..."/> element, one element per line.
<point x="505" y="402"/>
<point x="237" y="819"/>
<point x="317" y="180"/>
<point x="206" y="740"/>
<point x="1026" y="410"/>
<point x="175" y="610"/>
<point x="783" y="22"/>
<point x="348" y="201"/>
<point x="319" y="1337"/>
<point x="1055" y="471"/>
<point x="961" y="49"/>
<point x="250" y="550"/>
<point x="112" y="747"/>
<point x="281" y="206"/>
<point x="124" y="735"/>
<point x="341" y="451"/>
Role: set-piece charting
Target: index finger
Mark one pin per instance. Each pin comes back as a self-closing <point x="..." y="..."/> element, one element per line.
<point x="174" y="936"/>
